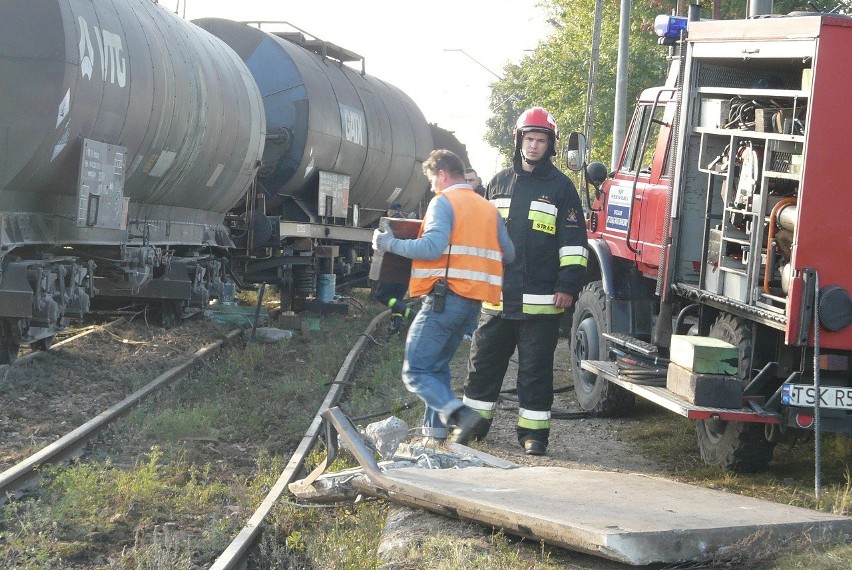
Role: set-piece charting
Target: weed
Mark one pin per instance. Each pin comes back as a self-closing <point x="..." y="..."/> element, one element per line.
<point x="163" y="549"/>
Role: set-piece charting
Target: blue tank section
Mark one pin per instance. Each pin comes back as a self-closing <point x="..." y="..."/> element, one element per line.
<point x="323" y="115"/>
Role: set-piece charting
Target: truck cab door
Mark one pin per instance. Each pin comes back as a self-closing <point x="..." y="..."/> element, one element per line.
<point x="636" y="196"/>
<point x="653" y="195"/>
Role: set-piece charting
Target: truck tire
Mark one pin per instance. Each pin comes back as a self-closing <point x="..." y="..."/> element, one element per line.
<point x="738" y="446"/>
<point x="594" y="393"/>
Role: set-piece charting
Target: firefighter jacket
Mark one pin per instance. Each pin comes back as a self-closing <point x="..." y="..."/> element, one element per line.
<point x="472" y="262"/>
<point x="545" y="221"/>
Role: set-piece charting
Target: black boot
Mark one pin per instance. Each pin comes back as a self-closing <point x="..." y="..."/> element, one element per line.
<point x="535" y="447"/>
<point x="465" y="424"/>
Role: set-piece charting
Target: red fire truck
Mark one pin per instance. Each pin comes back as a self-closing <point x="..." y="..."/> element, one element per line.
<point x="728" y="217"/>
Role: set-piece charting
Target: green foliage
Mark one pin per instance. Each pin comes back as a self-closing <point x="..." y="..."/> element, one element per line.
<point x="87" y="507"/>
<point x="495" y="551"/>
<point x="556" y="75"/>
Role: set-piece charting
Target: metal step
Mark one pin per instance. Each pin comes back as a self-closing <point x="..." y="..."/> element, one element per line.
<point x="674" y="403"/>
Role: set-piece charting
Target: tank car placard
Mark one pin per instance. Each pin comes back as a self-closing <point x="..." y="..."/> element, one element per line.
<point x="353" y="124"/>
<point x="112" y="62"/>
<point x="100" y="190"/>
<point x="333" y="200"/>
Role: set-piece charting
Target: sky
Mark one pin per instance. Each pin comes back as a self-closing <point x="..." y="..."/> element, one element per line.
<point x="405" y="43"/>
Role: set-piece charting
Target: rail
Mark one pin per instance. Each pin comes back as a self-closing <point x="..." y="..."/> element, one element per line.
<point x="22" y="475"/>
<point x="235" y="555"/>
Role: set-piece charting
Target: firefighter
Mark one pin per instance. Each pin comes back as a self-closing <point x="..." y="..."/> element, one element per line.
<point x="544" y="217"/>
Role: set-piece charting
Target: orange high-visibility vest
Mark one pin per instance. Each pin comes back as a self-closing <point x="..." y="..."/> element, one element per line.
<point x="475" y="259"/>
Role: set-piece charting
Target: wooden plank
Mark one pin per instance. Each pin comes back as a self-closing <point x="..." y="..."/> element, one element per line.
<point x="704" y="355"/>
<point x="714" y="390"/>
<point x="625" y="517"/>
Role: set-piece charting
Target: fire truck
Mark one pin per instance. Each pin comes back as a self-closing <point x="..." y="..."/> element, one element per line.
<point x="728" y="217"/>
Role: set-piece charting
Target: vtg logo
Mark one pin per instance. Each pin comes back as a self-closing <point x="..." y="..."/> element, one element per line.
<point x="113" y="64"/>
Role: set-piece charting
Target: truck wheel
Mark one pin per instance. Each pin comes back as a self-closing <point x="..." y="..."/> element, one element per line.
<point x="594" y="393"/>
<point x="739" y="446"/>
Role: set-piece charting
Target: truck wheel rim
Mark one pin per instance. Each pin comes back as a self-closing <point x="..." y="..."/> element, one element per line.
<point x="586" y="347"/>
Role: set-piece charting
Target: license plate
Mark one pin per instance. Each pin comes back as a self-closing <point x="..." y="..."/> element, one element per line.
<point x="835" y="397"/>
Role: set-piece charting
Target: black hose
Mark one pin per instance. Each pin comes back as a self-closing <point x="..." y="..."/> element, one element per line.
<point x="681" y="316"/>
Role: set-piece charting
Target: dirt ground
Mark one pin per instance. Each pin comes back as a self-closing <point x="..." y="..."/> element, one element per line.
<point x="43" y="399"/>
<point x="576" y="441"/>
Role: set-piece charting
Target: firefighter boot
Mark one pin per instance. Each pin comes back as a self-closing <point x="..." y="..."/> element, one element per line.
<point x="465" y="423"/>
<point x="534" y="447"/>
<point x="481" y="431"/>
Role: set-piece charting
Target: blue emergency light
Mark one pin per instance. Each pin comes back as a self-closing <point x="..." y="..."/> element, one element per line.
<point x="669" y="26"/>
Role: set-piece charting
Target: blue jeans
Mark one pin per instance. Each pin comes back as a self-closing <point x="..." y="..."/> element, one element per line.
<point x="431" y="344"/>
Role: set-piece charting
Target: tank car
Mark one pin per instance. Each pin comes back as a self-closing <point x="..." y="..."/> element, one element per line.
<point x="126" y="134"/>
<point x="144" y="158"/>
<point x="341" y="146"/>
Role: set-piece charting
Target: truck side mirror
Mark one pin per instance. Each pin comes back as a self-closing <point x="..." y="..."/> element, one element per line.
<point x="575" y="152"/>
<point x="596" y="173"/>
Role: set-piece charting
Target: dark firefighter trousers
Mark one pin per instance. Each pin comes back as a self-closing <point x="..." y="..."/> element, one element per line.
<point x="493" y="344"/>
<point x="391" y="295"/>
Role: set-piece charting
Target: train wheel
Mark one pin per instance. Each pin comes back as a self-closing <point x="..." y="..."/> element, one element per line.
<point x="8" y="345"/>
<point x="594" y="393"/>
<point x="739" y="446"/>
<point x="171" y="313"/>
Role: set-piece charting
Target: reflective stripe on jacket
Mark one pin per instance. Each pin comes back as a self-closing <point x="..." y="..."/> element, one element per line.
<point x="475" y="266"/>
<point x="544" y="218"/>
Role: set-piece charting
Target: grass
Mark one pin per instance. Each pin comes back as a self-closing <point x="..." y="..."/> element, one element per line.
<point x="191" y="465"/>
<point x="83" y="512"/>
<point x="199" y="459"/>
<point x="670" y="439"/>
<point x="495" y="551"/>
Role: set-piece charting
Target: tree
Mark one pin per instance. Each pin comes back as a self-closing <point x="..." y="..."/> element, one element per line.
<point x="555" y="74"/>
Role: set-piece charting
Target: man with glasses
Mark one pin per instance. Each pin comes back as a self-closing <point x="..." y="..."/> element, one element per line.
<point x="457" y="263"/>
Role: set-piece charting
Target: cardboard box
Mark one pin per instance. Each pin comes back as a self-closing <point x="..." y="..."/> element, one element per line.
<point x="704" y="355"/>
<point x="708" y="390"/>
<point x="389" y="267"/>
<point x="714" y="113"/>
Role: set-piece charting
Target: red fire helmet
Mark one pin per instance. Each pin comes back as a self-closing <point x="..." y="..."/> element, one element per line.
<point x="540" y="120"/>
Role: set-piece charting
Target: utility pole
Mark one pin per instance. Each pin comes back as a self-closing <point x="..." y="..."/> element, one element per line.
<point x="593" y="76"/>
<point x="619" y="122"/>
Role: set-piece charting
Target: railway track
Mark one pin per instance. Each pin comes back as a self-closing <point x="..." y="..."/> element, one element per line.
<point x="236" y="554"/>
<point x="119" y="446"/>
<point x="25" y="473"/>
